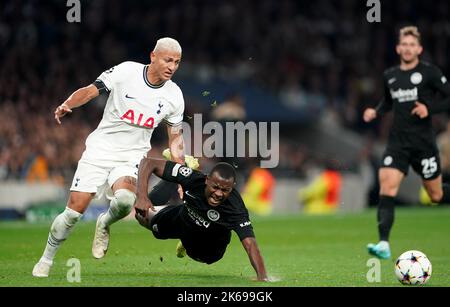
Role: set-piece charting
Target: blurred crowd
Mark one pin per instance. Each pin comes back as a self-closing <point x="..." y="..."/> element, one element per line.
<point x="319" y="52"/>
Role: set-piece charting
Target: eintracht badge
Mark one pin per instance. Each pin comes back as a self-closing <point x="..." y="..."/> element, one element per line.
<point x="416" y="78"/>
<point x="213" y="215"/>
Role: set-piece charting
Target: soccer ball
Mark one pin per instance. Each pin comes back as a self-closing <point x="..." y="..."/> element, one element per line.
<point x="413" y="268"/>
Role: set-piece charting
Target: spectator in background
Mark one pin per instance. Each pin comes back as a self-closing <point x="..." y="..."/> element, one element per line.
<point x="232" y="109"/>
<point x="323" y="40"/>
<point x="323" y="194"/>
<point x="37" y="170"/>
<point x="258" y="191"/>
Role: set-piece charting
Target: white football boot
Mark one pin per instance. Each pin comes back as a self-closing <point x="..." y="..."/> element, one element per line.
<point x="42" y="268"/>
<point x="101" y="239"/>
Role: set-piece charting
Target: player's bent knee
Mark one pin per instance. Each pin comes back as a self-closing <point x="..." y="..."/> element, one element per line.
<point x="71" y="216"/>
<point x="79" y="201"/>
<point x="64" y="222"/>
<point x="436" y="196"/>
<point x="125" y="200"/>
<point x="389" y="191"/>
<point x="389" y="188"/>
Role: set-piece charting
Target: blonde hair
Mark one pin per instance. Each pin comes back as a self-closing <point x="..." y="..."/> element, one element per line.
<point x="167" y="44"/>
<point x="409" y="30"/>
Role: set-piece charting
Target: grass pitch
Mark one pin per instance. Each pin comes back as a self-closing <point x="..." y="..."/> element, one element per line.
<point x="298" y="251"/>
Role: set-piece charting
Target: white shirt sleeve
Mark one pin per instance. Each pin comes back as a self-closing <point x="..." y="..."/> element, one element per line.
<point x="176" y="117"/>
<point x="114" y="75"/>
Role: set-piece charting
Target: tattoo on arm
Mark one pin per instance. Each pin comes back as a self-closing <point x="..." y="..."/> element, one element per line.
<point x="129" y="180"/>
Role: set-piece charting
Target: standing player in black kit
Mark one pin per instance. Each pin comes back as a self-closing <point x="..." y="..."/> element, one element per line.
<point x="410" y="90"/>
<point x="210" y="210"/>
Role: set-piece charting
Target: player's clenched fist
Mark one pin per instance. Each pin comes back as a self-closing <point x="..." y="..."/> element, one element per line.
<point x="60" y="111"/>
<point x="420" y="110"/>
<point x="142" y="206"/>
<point x="369" y="115"/>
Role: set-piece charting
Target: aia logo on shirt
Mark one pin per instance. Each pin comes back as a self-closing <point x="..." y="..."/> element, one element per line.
<point x="138" y="119"/>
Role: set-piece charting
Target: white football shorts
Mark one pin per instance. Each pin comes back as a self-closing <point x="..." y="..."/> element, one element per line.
<point x="94" y="178"/>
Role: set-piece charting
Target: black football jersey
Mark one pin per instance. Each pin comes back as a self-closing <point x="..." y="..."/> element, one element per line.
<point x="402" y="89"/>
<point x="198" y="215"/>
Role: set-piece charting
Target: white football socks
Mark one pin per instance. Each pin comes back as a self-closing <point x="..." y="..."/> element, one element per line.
<point x="120" y="207"/>
<point x="59" y="231"/>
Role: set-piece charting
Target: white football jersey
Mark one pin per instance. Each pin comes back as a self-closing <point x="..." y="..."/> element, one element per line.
<point x="133" y="110"/>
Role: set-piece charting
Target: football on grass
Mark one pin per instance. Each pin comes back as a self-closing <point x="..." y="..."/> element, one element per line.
<point x="413" y="268"/>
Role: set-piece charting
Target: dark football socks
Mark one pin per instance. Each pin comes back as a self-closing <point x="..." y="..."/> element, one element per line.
<point x="385" y="216"/>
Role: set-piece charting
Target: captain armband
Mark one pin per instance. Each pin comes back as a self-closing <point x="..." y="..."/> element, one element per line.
<point x="101" y="87"/>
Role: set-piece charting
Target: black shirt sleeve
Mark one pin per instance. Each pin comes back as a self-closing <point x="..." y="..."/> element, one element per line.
<point x="440" y="84"/>
<point x="385" y="104"/>
<point x="175" y="172"/>
<point x="244" y="229"/>
<point x="240" y="221"/>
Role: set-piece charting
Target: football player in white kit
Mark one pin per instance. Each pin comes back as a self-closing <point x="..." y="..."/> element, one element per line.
<point x="140" y="98"/>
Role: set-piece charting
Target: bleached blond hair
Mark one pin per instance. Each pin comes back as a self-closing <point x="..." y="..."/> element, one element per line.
<point x="167" y="44"/>
<point x="409" y="30"/>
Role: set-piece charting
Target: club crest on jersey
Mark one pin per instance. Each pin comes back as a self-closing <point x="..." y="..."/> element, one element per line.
<point x="160" y="105"/>
<point x="416" y="78"/>
<point x="129" y="117"/>
<point x="109" y="70"/>
<point x="213" y="215"/>
<point x="185" y="171"/>
<point x="388" y="160"/>
<point x="444" y="79"/>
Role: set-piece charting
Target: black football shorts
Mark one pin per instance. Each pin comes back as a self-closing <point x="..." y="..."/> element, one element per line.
<point x="425" y="161"/>
<point x="167" y="224"/>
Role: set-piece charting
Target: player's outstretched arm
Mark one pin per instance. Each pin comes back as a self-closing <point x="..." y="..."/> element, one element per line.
<point x="176" y="146"/>
<point x="384" y="106"/>
<point x="251" y="247"/>
<point x="147" y="167"/>
<point x="78" y="98"/>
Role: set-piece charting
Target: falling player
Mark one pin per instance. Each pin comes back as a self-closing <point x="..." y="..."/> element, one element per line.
<point x="211" y="209"/>
<point x="410" y="90"/>
<point x="140" y="97"/>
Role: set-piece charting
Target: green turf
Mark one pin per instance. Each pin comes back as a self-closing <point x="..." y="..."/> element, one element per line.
<point x="298" y="250"/>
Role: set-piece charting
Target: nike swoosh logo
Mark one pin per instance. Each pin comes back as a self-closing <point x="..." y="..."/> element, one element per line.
<point x="392" y="80"/>
<point x="126" y="96"/>
<point x="190" y="195"/>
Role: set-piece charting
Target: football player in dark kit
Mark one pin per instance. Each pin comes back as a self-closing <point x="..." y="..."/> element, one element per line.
<point x="410" y="91"/>
<point x="210" y="210"/>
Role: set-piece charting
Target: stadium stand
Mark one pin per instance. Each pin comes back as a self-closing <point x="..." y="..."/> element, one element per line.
<point x="43" y="58"/>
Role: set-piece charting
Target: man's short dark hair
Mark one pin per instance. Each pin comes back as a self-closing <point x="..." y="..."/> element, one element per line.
<point x="224" y="170"/>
